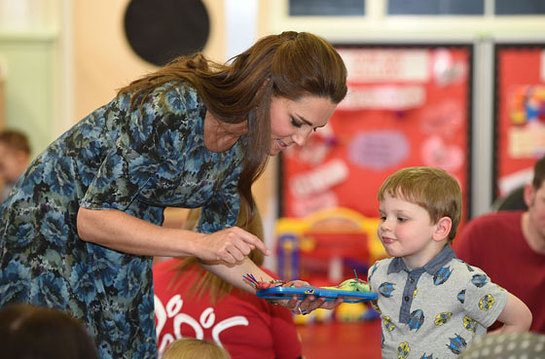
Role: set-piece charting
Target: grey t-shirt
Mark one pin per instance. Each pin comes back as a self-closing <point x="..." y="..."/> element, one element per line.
<point x="434" y="311"/>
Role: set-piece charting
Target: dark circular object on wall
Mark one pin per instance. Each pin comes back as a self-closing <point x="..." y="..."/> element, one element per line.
<point x="160" y="30"/>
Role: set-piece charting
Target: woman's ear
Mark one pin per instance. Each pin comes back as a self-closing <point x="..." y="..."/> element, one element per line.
<point x="442" y="229"/>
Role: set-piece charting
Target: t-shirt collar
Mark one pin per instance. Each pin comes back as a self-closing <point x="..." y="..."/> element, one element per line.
<point x="437" y="262"/>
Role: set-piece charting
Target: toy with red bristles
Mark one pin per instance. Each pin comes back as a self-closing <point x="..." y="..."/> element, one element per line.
<point x="352" y="290"/>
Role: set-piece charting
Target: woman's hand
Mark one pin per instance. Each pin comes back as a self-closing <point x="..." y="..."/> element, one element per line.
<point x="229" y="245"/>
<point x="308" y="304"/>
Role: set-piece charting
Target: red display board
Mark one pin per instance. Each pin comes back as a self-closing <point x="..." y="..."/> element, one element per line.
<point x="407" y="105"/>
<point x="519" y="121"/>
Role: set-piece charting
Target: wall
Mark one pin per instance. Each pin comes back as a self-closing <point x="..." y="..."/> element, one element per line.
<point x="103" y="59"/>
<point x="104" y="62"/>
<point x="29" y="66"/>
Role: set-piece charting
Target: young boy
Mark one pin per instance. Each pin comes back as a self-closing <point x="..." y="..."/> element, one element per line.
<point x="432" y="305"/>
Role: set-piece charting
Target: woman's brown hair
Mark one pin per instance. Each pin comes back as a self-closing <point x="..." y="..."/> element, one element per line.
<point x="289" y="65"/>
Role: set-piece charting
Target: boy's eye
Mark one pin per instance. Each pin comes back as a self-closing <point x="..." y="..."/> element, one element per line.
<point x="315" y="129"/>
<point x="401" y="219"/>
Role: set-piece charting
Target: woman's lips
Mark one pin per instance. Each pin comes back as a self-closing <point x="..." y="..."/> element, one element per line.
<point x="281" y="144"/>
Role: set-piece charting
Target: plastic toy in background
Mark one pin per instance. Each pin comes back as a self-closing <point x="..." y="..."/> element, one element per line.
<point x="323" y="247"/>
<point x="527" y="105"/>
<point x="354" y="312"/>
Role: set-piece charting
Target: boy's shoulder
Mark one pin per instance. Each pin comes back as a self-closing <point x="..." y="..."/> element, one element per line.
<point x="380" y="265"/>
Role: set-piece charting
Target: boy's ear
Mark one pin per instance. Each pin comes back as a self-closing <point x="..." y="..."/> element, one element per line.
<point x="442" y="229"/>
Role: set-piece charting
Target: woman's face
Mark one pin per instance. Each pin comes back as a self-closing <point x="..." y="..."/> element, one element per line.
<point x="293" y="121"/>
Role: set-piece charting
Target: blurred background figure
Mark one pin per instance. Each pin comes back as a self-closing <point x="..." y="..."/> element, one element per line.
<point x="509" y="245"/>
<point x="14" y="159"/>
<point x="30" y="332"/>
<point x="191" y="348"/>
<point x="192" y="302"/>
<point x="507" y="346"/>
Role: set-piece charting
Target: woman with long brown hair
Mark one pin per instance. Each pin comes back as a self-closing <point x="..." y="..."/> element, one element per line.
<point x="79" y="230"/>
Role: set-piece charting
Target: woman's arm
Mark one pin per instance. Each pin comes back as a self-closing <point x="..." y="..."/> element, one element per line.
<point x="122" y="232"/>
<point x="516" y="317"/>
<point x="233" y="275"/>
<point x="225" y="250"/>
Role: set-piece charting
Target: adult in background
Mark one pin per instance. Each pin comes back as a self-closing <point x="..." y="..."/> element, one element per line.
<point x="14" y="159"/>
<point x="79" y="230"/>
<point x="510" y="247"/>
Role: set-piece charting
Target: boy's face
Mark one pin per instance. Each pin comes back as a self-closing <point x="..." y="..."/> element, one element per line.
<point x="406" y="231"/>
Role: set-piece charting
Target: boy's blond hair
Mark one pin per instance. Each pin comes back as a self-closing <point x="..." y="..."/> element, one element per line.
<point x="191" y="348"/>
<point x="431" y="188"/>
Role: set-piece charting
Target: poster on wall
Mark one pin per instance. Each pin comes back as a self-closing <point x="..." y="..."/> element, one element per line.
<point x="519" y="120"/>
<point x="407" y="105"/>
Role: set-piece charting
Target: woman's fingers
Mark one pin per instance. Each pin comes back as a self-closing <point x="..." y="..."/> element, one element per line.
<point x="309" y="303"/>
<point x="230" y="245"/>
<point x="251" y="240"/>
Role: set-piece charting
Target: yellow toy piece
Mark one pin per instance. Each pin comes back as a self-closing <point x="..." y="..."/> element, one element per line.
<point x="330" y="235"/>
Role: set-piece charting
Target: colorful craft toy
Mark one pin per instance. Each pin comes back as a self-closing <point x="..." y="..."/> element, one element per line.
<point x="352" y="290"/>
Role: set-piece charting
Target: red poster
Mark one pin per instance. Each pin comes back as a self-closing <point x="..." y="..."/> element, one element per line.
<point x="406" y="106"/>
<point x="520" y="114"/>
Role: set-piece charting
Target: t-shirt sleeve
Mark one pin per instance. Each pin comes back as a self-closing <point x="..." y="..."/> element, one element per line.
<point x="483" y="300"/>
<point x="149" y="144"/>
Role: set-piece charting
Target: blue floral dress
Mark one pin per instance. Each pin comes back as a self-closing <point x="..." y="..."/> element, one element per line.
<point x="115" y="158"/>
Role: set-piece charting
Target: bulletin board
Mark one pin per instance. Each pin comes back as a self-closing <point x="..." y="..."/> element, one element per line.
<point x="519" y="118"/>
<point x="407" y="105"/>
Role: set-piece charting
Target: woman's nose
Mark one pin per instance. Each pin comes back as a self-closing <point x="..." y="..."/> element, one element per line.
<point x="300" y="137"/>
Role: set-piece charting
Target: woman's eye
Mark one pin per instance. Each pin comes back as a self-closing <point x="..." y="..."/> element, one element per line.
<point x="295" y="123"/>
<point x="315" y="129"/>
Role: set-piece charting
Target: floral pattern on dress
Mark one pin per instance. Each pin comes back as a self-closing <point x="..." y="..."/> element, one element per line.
<point x="138" y="161"/>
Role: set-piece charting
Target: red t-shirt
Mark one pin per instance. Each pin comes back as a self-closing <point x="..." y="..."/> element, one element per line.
<point x="244" y="324"/>
<point x="495" y="243"/>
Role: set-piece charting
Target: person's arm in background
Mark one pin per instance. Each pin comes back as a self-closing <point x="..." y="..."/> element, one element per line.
<point x="516" y="317"/>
